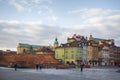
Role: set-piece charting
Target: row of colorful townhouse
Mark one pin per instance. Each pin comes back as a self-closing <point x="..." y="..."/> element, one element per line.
<point x="93" y="51"/>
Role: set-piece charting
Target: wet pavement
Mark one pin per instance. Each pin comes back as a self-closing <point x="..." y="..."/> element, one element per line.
<point x="60" y="74"/>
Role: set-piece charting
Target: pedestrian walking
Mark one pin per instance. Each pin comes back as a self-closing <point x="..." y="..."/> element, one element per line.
<point x="36" y="66"/>
<point x="15" y="66"/>
<point x="82" y="67"/>
<point x="40" y="65"/>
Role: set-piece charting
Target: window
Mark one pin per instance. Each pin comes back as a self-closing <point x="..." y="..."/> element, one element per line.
<point x="72" y="56"/>
<point x="66" y="56"/>
<point x="24" y="51"/>
<point x="66" y="51"/>
<point x="68" y="45"/>
<point x="57" y="56"/>
<point x="56" y="51"/>
<point x="72" y="51"/>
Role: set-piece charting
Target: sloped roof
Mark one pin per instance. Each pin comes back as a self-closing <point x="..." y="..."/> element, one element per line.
<point x="74" y="44"/>
<point x="98" y="39"/>
<point x="24" y="45"/>
<point x="45" y="49"/>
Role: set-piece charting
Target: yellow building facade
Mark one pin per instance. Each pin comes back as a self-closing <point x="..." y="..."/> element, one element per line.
<point x="72" y="51"/>
<point x="69" y="55"/>
<point x="23" y="48"/>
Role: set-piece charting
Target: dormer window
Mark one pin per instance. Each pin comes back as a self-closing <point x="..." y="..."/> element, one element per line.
<point x="89" y="43"/>
<point x="80" y="45"/>
<point x="61" y="45"/>
<point x="68" y="45"/>
<point x="83" y="44"/>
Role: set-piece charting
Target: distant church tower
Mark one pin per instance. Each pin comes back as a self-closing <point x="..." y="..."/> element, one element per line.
<point x="56" y="44"/>
<point x="91" y="38"/>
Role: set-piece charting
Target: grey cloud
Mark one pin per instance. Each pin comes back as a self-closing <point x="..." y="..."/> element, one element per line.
<point x="102" y="23"/>
<point x="11" y="34"/>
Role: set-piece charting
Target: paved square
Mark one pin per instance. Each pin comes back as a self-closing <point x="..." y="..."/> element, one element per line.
<point x="60" y="74"/>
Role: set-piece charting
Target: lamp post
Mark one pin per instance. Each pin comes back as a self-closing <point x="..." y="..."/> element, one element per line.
<point x="81" y="57"/>
<point x="64" y="53"/>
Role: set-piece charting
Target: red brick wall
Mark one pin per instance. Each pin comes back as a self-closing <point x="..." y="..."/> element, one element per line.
<point x="29" y="60"/>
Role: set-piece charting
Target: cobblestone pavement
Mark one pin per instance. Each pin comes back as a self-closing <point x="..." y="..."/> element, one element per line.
<point x="60" y="74"/>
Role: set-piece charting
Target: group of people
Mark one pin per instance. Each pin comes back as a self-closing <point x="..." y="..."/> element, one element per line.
<point x="38" y="66"/>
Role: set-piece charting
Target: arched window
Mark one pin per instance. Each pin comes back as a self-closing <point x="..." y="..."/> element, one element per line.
<point x="24" y="51"/>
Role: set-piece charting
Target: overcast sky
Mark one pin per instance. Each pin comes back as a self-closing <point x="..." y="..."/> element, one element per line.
<point x="41" y="21"/>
